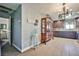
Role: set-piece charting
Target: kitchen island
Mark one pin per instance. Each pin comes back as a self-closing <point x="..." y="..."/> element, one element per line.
<point x="65" y="33"/>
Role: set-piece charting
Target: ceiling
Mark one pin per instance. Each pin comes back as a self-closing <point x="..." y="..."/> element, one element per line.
<point x="10" y="5"/>
<point x="56" y="7"/>
<point x="6" y="9"/>
<point x="50" y="8"/>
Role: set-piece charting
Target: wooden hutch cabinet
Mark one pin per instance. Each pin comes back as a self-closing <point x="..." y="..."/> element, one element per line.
<point x="46" y="29"/>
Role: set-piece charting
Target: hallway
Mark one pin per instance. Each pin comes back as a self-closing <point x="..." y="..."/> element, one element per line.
<point x="56" y="47"/>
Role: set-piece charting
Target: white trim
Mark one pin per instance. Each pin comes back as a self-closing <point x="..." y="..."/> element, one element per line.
<point x="29" y="47"/>
<point x="25" y="49"/>
<point x="17" y="47"/>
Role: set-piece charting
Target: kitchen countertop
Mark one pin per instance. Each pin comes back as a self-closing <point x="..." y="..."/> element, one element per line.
<point x="62" y="29"/>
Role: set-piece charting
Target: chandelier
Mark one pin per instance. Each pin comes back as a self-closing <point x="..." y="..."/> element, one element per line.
<point x="66" y="11"/>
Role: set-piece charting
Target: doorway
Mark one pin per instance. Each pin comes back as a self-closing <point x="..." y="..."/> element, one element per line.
<point x="5" y="32"/>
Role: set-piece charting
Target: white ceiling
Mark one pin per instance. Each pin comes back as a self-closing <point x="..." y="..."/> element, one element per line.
<point x="50" y="8"/>
<point x="10" y="5"/>
<point x="55" y="7"/>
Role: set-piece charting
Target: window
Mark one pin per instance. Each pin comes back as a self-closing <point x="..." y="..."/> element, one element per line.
<point x="69" y="25"/>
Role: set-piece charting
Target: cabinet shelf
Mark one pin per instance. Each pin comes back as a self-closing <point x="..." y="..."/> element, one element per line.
<point x="46" y="30"/>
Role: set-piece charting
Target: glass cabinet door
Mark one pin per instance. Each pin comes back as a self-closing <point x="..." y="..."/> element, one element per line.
<point x="43" y="25"/>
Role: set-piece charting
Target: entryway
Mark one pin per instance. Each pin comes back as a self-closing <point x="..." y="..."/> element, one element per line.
<point x="5" y="31"/>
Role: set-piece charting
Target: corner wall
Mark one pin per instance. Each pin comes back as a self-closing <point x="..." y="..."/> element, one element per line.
<point x="16" y="28"/>
<point x="22" y="30"/>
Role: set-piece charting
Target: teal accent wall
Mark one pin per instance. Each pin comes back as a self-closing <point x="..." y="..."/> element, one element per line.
<point x="16" y="27"/>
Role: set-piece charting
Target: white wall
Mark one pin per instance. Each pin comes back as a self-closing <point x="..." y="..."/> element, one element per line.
<point x="4" y="20"/>
<point x="31" y="12"/>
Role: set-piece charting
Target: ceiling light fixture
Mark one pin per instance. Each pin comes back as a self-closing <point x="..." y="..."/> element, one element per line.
<point x="66" y="11"/>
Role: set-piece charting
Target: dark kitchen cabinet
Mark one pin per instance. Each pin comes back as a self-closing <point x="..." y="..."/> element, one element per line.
<point x="65" y="34"/>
